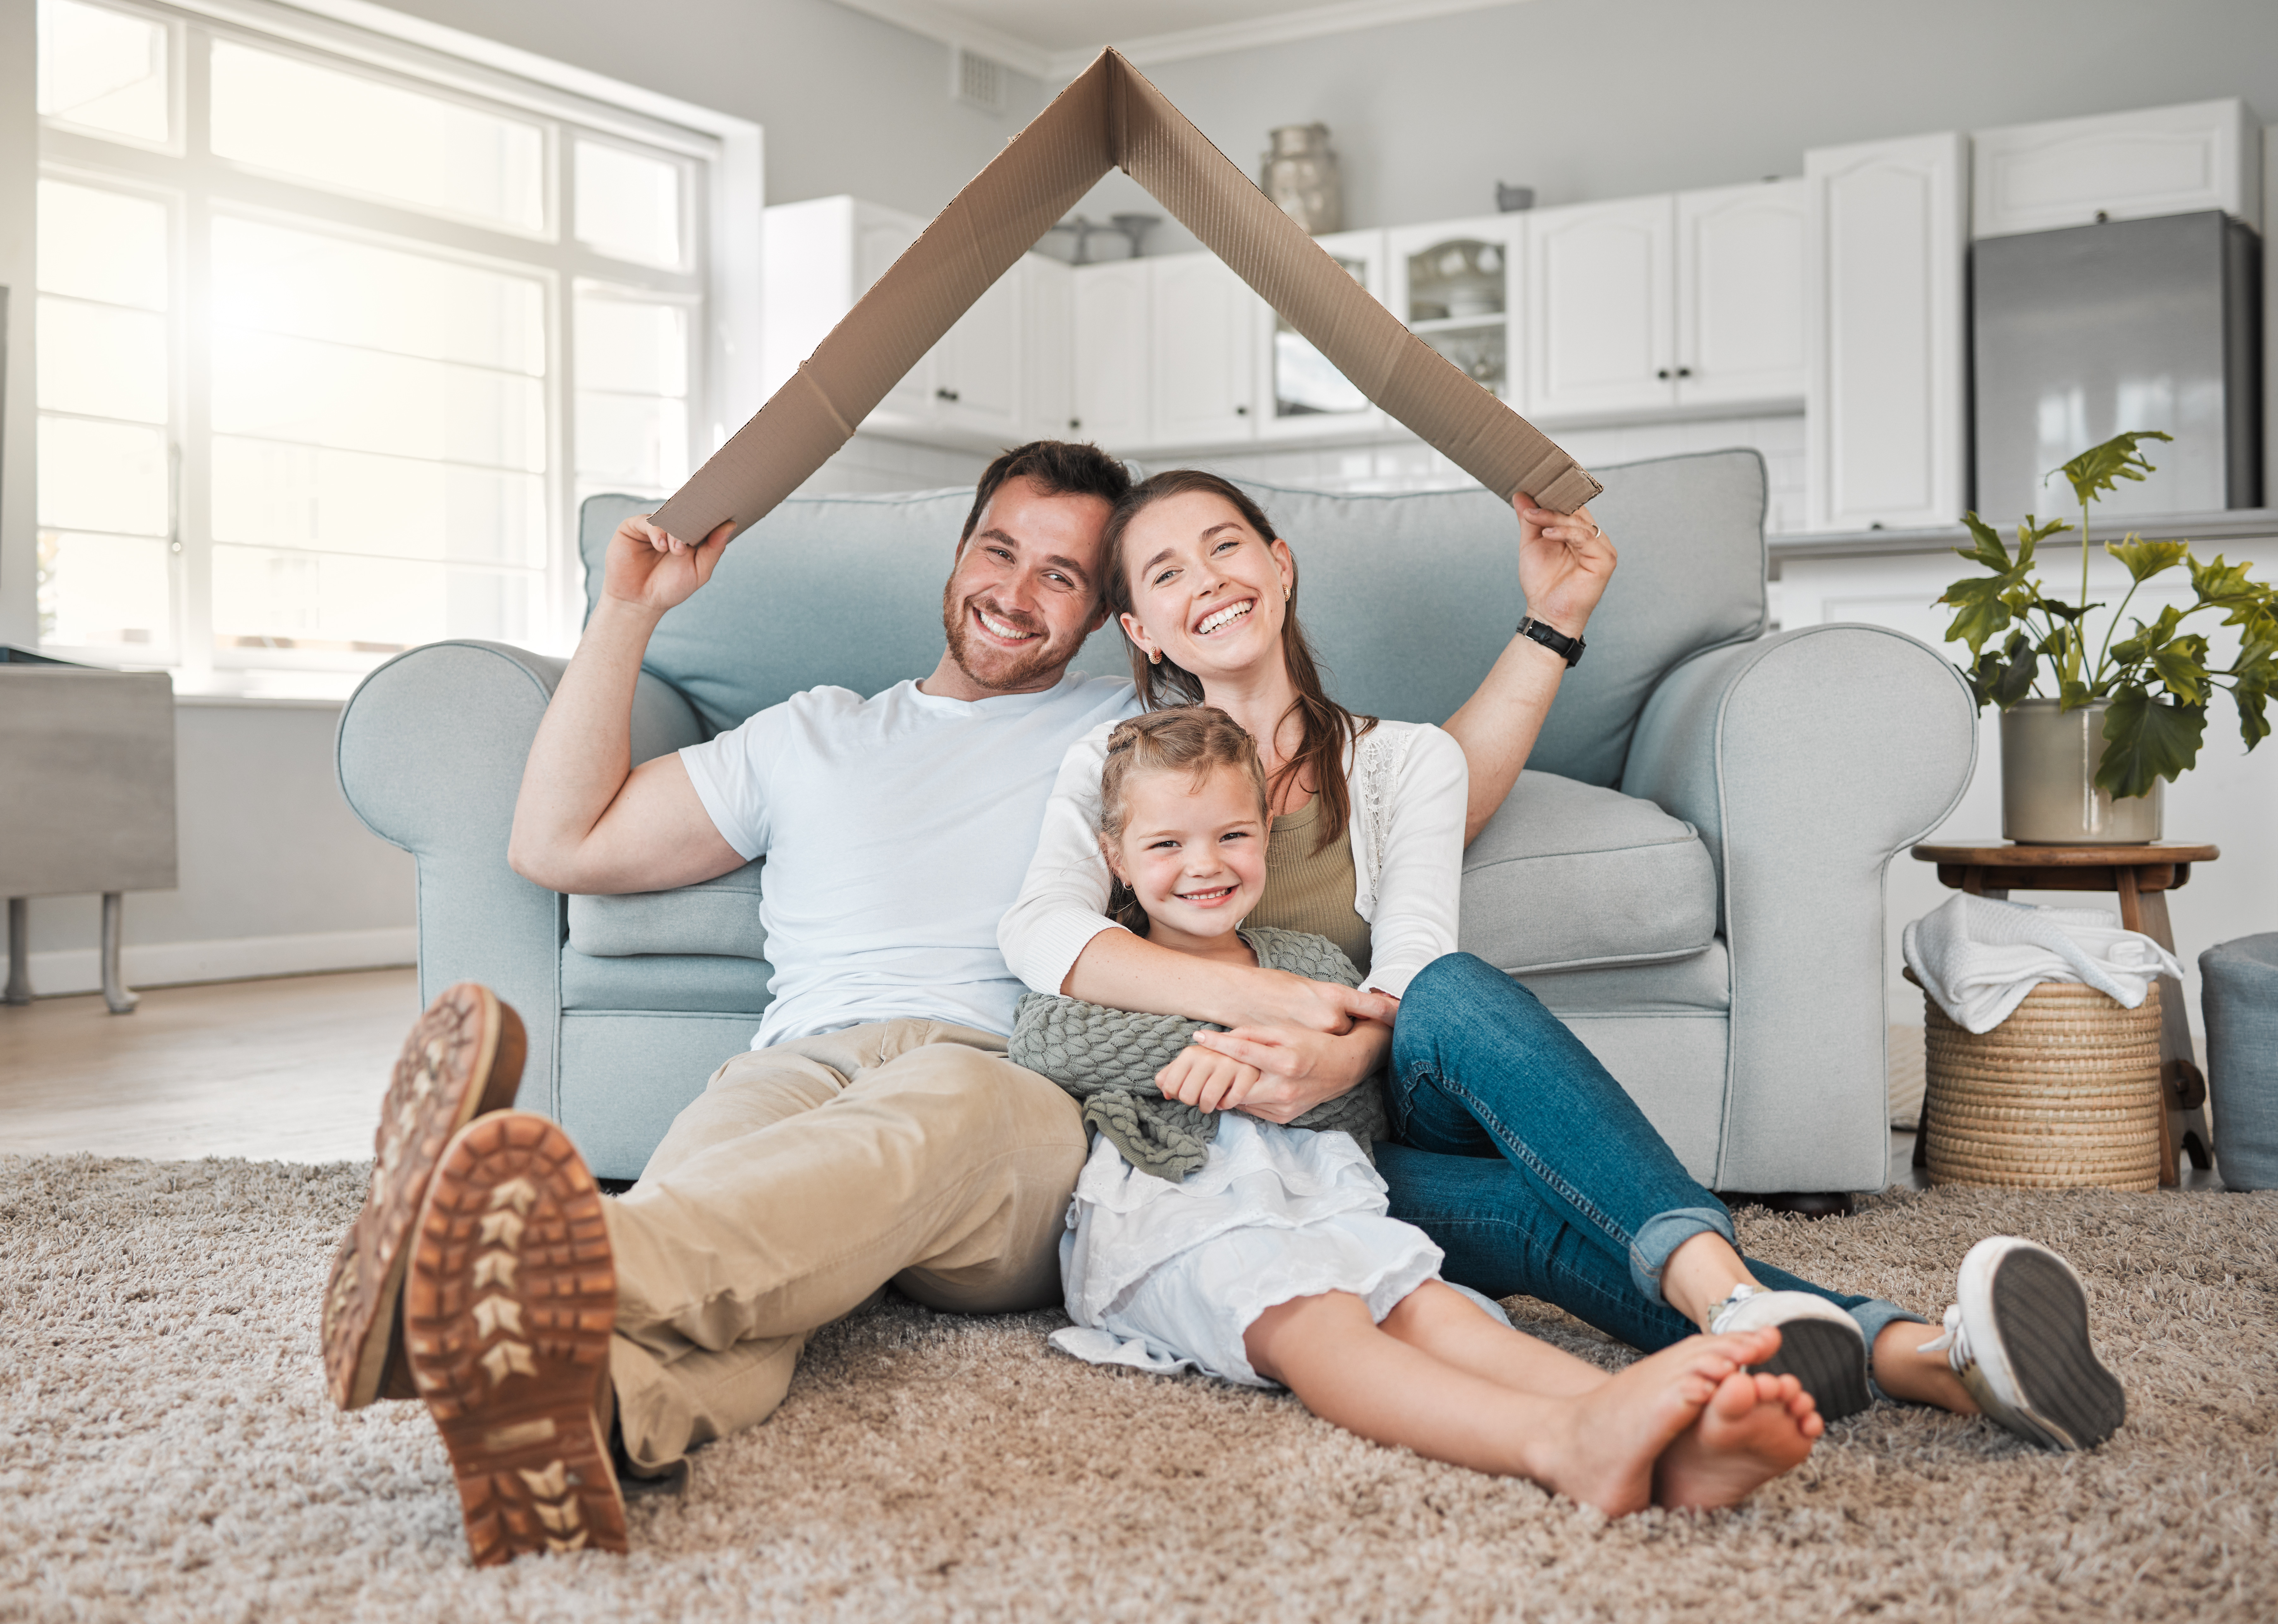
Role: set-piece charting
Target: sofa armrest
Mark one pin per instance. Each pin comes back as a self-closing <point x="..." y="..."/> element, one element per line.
<point x="1807" y="760"/>
<point x="430" y="754"/>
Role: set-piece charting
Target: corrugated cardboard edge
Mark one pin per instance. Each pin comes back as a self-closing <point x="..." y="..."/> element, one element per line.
<point x="1109" y="117"/>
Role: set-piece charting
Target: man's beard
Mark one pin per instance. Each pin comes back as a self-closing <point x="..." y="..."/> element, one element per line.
<point x="1022" y="670"/>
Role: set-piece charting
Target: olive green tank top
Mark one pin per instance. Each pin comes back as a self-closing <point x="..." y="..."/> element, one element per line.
<point x="1310" y="890"/>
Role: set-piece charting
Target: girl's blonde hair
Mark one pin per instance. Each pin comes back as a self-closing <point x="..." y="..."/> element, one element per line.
<point x="1195" y="739"/>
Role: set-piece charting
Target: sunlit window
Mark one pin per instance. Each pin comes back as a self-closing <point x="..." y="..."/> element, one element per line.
<point x="325" y="378"/>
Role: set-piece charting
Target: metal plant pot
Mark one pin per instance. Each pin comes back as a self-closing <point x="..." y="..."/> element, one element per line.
<point x="2049" y="795"/>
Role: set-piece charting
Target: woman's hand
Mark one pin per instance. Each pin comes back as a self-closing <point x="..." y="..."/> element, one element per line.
<point x="651" y="570"/>
<point x="1207" y="1081"/>
<point x="1280" y="999"/>
<point x="1298" y="1070"/>
<point x="1564" y="561"/>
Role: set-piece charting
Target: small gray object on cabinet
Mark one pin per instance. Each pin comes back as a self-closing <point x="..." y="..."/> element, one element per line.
<point x="86" y="798"/>
<point x="1690" y="872"/>
<point x="2238" y="997"/>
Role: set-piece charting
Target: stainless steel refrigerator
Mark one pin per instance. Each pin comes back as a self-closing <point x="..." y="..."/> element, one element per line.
<point x="2077" y="335"/>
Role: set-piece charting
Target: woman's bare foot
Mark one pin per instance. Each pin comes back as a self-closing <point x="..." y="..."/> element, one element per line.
<point x="1617" y="1433"/>
<point x="1754" y="1428"/>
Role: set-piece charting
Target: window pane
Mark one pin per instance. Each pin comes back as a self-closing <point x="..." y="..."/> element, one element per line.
<point x="101" y="361"/>
<point x="103" y="476"/>
<point x="269" y="599"/>
<point x="103" y="590"/>
<point x="631" y="347"/>
<point x="358" y="400"/>
<point x="285" y="281"/>
<point x="104" y="71"/>
<point x="101" y="245"/>
<point x="629" y="205"/>
<point x="632" y="443"/>
<point x="341" y="501"/>
<point x="357" y="134"/>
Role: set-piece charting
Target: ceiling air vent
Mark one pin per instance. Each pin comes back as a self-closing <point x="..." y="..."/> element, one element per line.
<point x="976" y="80"/>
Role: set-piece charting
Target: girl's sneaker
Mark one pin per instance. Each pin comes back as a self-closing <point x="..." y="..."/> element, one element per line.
<point x="1820" y="1345"/>
<point x="2019" y="1341"/>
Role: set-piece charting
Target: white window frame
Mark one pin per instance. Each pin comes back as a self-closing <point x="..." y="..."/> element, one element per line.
<point x="725" y="155"/>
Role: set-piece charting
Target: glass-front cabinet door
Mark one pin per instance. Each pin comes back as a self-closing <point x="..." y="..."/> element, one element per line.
<point x="1457" y="285"/>
<point x="1304" y="395"/>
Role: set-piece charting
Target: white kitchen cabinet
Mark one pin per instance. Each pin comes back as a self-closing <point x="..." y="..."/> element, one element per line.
<point x="1739" y="294"/>
<point x="1204" y="317"/>
<point x="975" y="378"/>
<point x="1048" y="346"/>
<point x="819" y="258"/>
<point x="1885" y="417"/>
<point x="1114" y="344"/>
<point x="1300" y="396"/>
<point x="2120" y="166"/>
<point x="1602" y="307"/>
<point x="1457" y="284"/>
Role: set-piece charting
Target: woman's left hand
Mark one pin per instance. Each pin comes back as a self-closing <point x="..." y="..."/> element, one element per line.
<point x="1299" y="1070"/>
<point x="1564" y="561"/>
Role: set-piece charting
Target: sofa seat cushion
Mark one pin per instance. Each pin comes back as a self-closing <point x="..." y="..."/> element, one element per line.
<point x="1700" y="984"/>
<point x="717" y="917"/>
<point x="668" y="983"/>
<point x="1569" y="876"/>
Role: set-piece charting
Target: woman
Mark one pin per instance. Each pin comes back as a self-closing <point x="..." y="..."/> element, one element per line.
<point x="1517" y="1153"/>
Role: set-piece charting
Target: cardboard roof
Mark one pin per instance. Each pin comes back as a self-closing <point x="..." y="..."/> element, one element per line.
<point x="1111" y="117"/>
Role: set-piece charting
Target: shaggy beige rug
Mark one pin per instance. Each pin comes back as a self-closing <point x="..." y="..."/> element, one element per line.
<point x="166" y="1451"/>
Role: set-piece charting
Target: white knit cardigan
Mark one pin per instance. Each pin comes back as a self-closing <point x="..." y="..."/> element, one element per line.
<point x="1409" y="783"/>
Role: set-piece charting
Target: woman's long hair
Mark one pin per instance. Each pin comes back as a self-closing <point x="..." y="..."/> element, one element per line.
<point x="1328" y="726"/>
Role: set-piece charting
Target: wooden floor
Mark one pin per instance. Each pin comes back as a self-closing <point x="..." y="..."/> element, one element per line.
<point x="288" y="1070"/>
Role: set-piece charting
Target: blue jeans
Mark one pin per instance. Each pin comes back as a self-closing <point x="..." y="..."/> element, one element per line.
<point x="1537" y="1175"/>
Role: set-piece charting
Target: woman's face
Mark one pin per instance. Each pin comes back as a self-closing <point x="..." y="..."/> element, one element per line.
<point x="1207" y="592"/>
<point x="1195" y="856"/>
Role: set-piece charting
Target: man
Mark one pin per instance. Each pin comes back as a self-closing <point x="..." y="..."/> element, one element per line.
<point x="874" y="1133"/>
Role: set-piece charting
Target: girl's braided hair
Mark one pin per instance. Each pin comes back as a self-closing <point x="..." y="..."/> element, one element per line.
<point x="1195" y="739"/>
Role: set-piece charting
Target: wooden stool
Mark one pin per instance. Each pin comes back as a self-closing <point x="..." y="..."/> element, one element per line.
<point x="2142" y="876"/>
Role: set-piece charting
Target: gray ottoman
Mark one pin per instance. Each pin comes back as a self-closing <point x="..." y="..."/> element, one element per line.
<point x="2239" y="998"/>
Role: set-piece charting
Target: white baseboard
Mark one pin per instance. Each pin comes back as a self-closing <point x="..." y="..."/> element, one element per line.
<point x="238" y="958"/>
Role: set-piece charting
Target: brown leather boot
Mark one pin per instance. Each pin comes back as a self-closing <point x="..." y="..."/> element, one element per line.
<point x="463" y="1058"/>
<point x="508" y="1312"/>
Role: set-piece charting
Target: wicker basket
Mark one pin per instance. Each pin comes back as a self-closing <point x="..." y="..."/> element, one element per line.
<point x="2062" y="1094"/>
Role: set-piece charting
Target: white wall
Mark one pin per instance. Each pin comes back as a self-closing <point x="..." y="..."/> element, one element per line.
<point x="1586" y="99"/>
<point x="278" y="876"/>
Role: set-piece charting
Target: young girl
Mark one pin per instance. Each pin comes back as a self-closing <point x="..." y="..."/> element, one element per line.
<point x="1263" y="1254"/>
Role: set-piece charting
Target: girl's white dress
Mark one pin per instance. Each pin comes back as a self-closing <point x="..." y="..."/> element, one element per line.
<point x="1165" y="1276"/>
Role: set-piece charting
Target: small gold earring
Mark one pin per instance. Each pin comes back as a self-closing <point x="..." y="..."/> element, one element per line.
<point x="1155" y="659"/>
<point x="1285" y="592"/>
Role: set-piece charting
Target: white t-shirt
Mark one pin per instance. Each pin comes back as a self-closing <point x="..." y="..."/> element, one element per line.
<point x="897" y="829"/>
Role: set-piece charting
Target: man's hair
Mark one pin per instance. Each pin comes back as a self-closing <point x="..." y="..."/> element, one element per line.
<point x="1062" y="468"/>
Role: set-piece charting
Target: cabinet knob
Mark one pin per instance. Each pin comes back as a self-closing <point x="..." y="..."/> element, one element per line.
<point x="1075" y="423"/>
<point x="1663" y="373"/>
<point x="1684" y="371"/>
<point x="944" y="394"/>
<point x="1241" y="411"/>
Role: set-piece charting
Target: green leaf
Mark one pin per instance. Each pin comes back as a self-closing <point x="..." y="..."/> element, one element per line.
<point x="2146" y="740"/>
<point x="2071" y="696"/>
<point x="2015" y="680"/>
<point x="2146" y="559"/>
<point x="2227" y="586"/>
<point x="2254" y="725"/>
<point x="1988" y="549"/>
<point x="2181" y="666"/>
<point x="2062" y="610"/>
<point x="1983" y="613"/>
<point x="2092" y="472"/>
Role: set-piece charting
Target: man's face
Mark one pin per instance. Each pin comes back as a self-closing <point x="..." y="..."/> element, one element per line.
<point x="1025" y="593"/>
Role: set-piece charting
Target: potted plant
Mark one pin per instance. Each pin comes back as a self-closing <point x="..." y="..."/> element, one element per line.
<point x="2088" y="734"/>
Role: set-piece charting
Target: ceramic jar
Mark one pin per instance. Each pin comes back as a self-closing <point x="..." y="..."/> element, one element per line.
<point x="2049" y="795"/>
<point x="1301" y="177"/>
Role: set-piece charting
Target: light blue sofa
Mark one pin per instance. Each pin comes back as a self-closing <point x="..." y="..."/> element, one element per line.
<point x="1690" y="872"/>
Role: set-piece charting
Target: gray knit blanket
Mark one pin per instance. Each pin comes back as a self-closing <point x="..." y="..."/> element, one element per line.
<point x="1108" y="1059"/>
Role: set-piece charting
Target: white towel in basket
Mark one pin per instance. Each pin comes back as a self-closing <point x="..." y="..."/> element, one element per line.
<point x="1979" y="957"/>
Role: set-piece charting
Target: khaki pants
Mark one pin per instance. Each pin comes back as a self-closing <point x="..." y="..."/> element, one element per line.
<point x="804" y="1178"/>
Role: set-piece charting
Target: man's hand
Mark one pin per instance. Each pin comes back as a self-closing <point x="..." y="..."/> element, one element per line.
<point x="654" y="571"/>
<point x="1207" y="1081"/>
<point x="1564" y="561"/>
<point x="1299" y="1069"/>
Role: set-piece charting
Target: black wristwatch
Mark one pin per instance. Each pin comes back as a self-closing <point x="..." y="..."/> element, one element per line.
<point x="1567" y="648"/>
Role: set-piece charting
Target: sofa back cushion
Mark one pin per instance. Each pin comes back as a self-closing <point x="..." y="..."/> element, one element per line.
<point x="1409" y="597"/>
